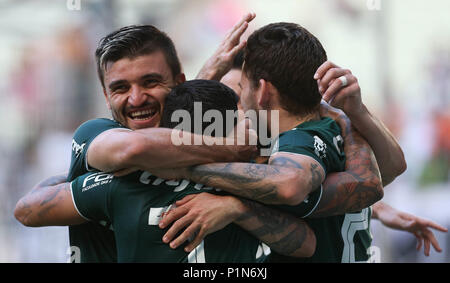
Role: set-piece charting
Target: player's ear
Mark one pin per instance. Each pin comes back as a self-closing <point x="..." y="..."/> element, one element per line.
<point x="107" y="99"/>
<point x="180" y="78"/>
<point x="263" y="93"/>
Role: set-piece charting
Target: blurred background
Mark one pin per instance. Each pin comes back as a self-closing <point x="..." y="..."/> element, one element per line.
<point x="399" y="50"/>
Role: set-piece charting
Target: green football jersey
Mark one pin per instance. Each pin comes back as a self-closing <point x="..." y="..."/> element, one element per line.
<point x="341" y="238"/>
<point x="134" y="205"/>
<point x="89" y="242"/>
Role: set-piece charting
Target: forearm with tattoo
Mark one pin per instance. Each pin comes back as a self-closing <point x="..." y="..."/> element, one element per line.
<point x="356" y="188"/>
<point x="283" y="233"/>
<point x="38" y="203"/>
<point x="269" y="184"/>
<point x="232" y="177"/>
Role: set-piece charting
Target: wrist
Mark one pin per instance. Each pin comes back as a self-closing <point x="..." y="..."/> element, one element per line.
<point x="359" y="117"/>
<point x="237" y="208"/>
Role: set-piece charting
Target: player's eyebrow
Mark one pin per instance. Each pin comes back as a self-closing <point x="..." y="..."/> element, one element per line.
<point x="154" y="76"/>
<point x="116" y="83"/>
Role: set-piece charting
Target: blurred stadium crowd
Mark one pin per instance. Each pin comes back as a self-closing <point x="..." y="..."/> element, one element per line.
<point x="399" y="50"/>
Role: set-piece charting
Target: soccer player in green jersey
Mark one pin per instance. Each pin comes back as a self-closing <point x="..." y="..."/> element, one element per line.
<point x="137" y="67"/>
<point x="280" y="62"/>
<point x="109" y="156"/>
<point x="387" y="151"/>
<point x="133" y="204"/>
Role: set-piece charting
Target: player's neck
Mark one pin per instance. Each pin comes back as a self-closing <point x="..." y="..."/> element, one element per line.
<point x="288" y="121"/>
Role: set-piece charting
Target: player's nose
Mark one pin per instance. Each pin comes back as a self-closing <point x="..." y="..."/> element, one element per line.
<point x="137" y="96"/>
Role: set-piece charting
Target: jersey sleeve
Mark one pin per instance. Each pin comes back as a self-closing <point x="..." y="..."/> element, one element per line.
<point x="305" y="208"/>
<point x="91" y="195"/>
<point x="82" y="138"/>
<point x="300" y="142"/>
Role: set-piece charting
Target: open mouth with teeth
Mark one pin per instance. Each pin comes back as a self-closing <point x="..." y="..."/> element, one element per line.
<point x="142" y="118"/>
<point x="142" y="115"/>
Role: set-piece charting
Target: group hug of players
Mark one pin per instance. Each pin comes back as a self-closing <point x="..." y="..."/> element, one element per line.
<point x="132" y="195"/>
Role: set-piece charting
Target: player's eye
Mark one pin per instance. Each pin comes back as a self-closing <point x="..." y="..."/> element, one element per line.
<point x="119" y="89"/>
<point x="150" y="83"/>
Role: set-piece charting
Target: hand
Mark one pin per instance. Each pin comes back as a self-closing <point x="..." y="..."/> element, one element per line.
<point x="201" y="215"/>
<point x="417" y="226"/>
<point x="246" y="140"/>
<point x="347" y="98"/>
<point x="221" y="61"/>
<point x="243" y="134"/>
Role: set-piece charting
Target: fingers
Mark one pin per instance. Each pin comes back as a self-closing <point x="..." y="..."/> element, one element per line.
<point x="333" y="89"/>
<point x="436" y="226"/>
<point x="322" y="70"/>
<point x="247" y="18"/>
<point x="238" y="48"/>
<point x="331" y="75"/>
<point x="427" y="247"/>
<point x="172" y="215"/>
<point x="198" y="239"/>
<point x="430" y="236"/>
<point x="176" y="227"/>
<point x="419" y="241"/>
<point x="185" y="200"/>
<point x="187" y="234"/>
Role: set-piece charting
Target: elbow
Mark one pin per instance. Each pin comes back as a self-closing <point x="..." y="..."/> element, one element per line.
<point x="291" y="189"/>
<point x="377" y="191"/>
<point x="130" y="155"/>
<point x="22" y="213"/>
<point x="308" y="248"/>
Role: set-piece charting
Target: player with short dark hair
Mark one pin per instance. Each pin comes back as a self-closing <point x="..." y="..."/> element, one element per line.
<point x="133" y="204"/>
<point x="286" y="55"/>
<point x="134" y="41"/>
<point x="279" y="65"/>
<point x="211" y="94"/>
<point x="137" y="67"/>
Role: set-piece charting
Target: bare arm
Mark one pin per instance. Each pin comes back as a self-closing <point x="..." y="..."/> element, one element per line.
<point x="283" y="233"/>
<point x="48" y="204"/>
<point x="388" y="152"/>
<point x="151" y="148"/>
<point x="356" y="188"/>
<point x="288" y="178"/>
<point x="205" y="213"/>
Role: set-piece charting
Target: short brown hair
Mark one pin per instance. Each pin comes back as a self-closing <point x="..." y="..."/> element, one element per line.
<point x="287" y="55"/>
<point x="133" y="41"/>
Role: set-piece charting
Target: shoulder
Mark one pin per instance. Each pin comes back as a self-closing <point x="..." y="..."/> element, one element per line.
<point x="95" y="125"/>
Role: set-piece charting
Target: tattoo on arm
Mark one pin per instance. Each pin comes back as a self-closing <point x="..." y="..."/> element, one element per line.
<point x="286" y="162"/>
<point x="356" y="188"/>
<point x="269" y="184"/>
<point x="39" y="204"/>
<point x="258" y="180"/>
<point x="283" y="233"/>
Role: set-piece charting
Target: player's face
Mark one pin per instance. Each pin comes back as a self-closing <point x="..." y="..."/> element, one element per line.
<point x="136" y="89"/>
<point x="232" y="79"/>
<point x="248" y="97"/>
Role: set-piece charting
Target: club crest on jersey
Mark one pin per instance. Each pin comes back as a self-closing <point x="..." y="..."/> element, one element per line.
<point x="76" y="148"/>
<point x="320" y="148"/>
